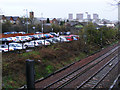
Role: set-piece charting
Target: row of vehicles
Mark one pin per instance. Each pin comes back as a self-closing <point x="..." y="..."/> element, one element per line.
<point x="23" y="42"/>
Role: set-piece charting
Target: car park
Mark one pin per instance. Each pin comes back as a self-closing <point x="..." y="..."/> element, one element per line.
<point x="76" y="36"/>
<point x="13" y="39"/>
<point x="7" y="32"/>
<point x="29" y="44"/>
<point x="69" y="38"/>
<point x="54" y="34"/>
<point x="7" y="40"/>
<point x="68" y="33"/>
<point x="36" y="37"/>
<point x="46" y="36"/>
<point x="37" y="32"/>
<point x="5" y="48"/>
<point x="57" y="39"/>
<point x="17" y="46"/>
<point x="21" y="38"/>
<point x="51" y="40"/>
<point x="36" y="43"/>
<point x="27" y="38"/>
<point x="64" y="39"/>
<point x="22" y="32"/>
<point x="44" y="42"/>
<point x="13" y="32"/>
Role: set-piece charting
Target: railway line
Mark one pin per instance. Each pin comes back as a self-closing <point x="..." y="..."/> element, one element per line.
<point x="96" y="78"/>
<point x="84" y="73"/>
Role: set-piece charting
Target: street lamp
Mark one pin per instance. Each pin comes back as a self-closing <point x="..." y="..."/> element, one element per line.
<point x="42" y="28"/>
<point x="85" y="29"/>
<point x="26" y="18"/>
<point x="34" y="29"/>
<point x="52" y="29"/>
<point x="101" y="39"/>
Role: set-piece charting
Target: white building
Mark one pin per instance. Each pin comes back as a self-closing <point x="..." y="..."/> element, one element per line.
<point x="79" y="16"/>
<point x="95" y="16"/>
<point x="70" y="16"/>
<point x="88" y="16"/>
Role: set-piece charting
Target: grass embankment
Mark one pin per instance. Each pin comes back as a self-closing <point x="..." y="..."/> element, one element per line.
<point x="47" y="60"/>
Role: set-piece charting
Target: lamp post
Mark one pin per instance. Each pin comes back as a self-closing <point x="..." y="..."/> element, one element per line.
<point x="52" y="29"/>
<point x="42" y="28"/>
<point x="27" y="19"/>
<point x="119" y="19"/>
<point x="34" y="29"/>
<point x="86" y="30"/>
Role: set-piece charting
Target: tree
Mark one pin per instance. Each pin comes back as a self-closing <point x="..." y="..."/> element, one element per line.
<point x="67" y="20"/>
<point x="6" y="26"/>
<point x="48" y="21"/>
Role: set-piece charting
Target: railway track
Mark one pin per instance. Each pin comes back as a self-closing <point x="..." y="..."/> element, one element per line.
<point x="77" y="73"/>
<point x="96" y="78"/>
<point x="65" y="81"/>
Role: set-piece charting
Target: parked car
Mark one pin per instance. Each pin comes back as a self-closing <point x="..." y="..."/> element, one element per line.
<point x="51" y="40"/>
<point x="68" y="33"/>
<point x="7" y="32"/>
<point x="64" y="39"/>
<point x="44" y="42"/>
<point x="20" y="38"/>
<point x="13" y="39"/>
<point x="58" y="39"/>
<point x="22" y="32"/>
<point x="7" y="40"/>
<point x="36" y="37"/>
<point x="69" y="38"/>
<point x="17" y="46"/>
<point x="76" y="36"/>
<point x="4" y="48"/>
<point x="38" y="32"/>
<point x="29" y="44"/>
<point x="13" y="32"/>
<point x="27" y="38"/>
<point x="36" y="43"/>
<point x="54" y="34"/>
<point x="46" y="36"/>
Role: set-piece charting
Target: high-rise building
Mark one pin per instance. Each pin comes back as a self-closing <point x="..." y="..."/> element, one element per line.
<point x="95" y="16"/>
<point x="88" y="16"/>
<point x="79" y="16"/>
<point x="70" y="16"/>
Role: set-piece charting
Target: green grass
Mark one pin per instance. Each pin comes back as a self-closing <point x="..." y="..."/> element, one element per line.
<point x="51" y="59"/>
<point x="27" y="54"/>
<point x="49" y="69"/>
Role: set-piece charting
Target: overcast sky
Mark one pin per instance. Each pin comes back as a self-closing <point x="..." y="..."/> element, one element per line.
<point x="59" y="8"/>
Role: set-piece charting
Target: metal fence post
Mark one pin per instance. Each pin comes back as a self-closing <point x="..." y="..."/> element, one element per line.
<point x="22" y="44"/>
<point x="8" y="46"/>
<point x="30" y="73"/>
<point x="44" y="41"/>
<point x="60" y="39"/>
<point x="34" y="43"/>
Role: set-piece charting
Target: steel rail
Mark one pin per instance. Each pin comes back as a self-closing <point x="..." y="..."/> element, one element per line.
<point x="80" y="86"/>
<point x="80" y="68"/>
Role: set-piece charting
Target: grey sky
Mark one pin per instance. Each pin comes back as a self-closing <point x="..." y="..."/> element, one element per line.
<point x="60" y="8"/>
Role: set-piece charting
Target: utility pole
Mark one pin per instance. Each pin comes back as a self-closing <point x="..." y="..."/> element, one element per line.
<point x="119" y="15"/>
<point x="27" y="19"/>
<point x="86" y="30"/>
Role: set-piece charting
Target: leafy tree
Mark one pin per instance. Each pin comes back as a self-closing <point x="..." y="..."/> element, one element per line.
<point x="102" y="36"/>
<point x="6" y="26"/>
<point x="48" y="21"/>
<point x="67" y="20"/>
